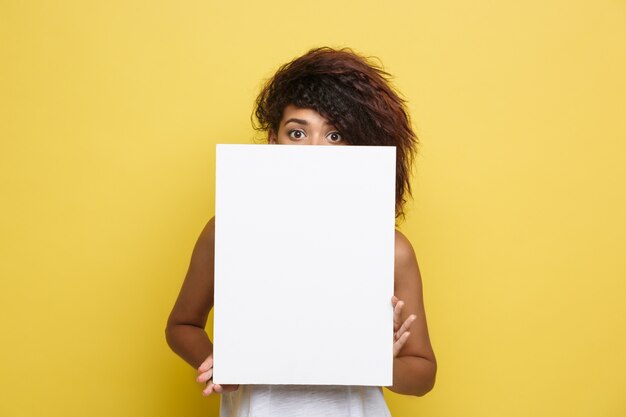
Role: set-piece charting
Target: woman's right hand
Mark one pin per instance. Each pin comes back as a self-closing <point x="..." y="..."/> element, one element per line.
<point x="205" y="376"/>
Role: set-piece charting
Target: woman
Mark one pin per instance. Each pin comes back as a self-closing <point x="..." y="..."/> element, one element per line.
<point x="334" y="98"/>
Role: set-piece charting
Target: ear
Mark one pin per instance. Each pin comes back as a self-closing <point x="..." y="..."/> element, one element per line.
<point x="271" y="137"/>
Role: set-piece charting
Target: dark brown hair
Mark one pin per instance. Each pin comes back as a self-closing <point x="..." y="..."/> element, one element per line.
<point x="351" y="92"/>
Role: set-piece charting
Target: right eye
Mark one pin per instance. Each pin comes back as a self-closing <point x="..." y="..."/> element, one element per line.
<point x="296" y="134"/>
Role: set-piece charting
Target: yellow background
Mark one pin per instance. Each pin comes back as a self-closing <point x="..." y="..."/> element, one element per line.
<point x="109" y="116"/>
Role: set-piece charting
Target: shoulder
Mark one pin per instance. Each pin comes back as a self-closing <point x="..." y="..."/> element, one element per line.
<point x="209" y="228"/>
<point x="203" y="249"/>
<point x="404" y="252"/>
<point x="405" y="262"/>
<point x="207" y="236"/>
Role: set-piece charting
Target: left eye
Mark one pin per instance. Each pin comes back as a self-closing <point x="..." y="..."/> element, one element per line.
<point x="334" y="137"/>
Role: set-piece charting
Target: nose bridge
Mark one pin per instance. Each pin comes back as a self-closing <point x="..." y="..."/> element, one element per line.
<point x="317" y="138"/>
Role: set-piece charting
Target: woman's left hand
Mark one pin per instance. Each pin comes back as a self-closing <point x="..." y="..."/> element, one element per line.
<point x="205" y="376"/>
<point x="400" y="330"/>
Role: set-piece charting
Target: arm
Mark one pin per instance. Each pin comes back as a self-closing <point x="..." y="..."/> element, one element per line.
<point x="415" y="367"/>
<point x="185" y="332"/>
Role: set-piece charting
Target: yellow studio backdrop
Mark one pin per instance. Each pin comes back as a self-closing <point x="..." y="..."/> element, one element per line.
<point x="109" y="116"/>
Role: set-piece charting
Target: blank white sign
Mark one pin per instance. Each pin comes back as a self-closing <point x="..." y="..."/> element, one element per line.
<point x="304" y="253"/>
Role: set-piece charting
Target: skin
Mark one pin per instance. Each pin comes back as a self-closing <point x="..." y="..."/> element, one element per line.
<point x="414" y="365"/>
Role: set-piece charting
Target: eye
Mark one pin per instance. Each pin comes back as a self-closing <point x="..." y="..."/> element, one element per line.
<point x="296" y="134"/>
<point x="335" y="137"/>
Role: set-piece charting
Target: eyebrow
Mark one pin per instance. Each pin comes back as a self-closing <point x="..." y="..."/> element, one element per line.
<point x="301" y="121"/>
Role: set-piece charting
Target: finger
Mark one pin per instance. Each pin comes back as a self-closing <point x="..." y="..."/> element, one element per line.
<point x="206" y="365"/>
<point x="229" y="388"/>
<point x="220" y="389"/>
<point x="205" y="376"/>
<point x="209" y="389"/>
<point x="405" y="326"/>
<point x="397" y="346"/>
<point x="394" y="301"/>
<point x="396" y="315"/>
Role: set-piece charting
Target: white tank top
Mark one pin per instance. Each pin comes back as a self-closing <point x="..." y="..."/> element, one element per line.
<point x="304" y="401"/>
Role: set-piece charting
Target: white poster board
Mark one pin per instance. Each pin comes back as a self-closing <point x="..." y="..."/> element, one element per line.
<point x="304" y="258"/>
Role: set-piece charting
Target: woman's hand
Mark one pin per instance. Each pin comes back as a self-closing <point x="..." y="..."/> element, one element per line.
<point x="400" y="332"/>
<point x="205" y="376"/>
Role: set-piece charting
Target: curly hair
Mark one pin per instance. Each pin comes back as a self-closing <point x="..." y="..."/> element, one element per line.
<point x="351" y="92"/>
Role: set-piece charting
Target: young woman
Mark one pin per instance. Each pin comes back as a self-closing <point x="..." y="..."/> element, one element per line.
<point x="333" y="98"/>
